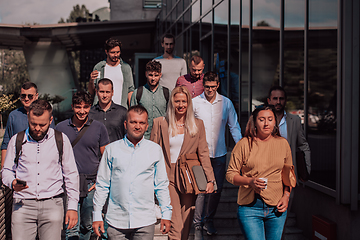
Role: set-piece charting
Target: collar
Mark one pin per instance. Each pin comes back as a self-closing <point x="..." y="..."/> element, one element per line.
<point x="98" y="108"/>
<point x="148" y="88"/>
<point x="30" y="139"/>
<point x="217" y="97"/>
<point x="73" y="125"/>
<point x="193" y="80"/>
<point x="130" y="144"/>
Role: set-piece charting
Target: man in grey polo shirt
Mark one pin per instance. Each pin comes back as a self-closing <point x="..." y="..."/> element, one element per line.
<point x="107" y="112"/>
<point x="152" y="96"/>
<point x="87" y="151"/>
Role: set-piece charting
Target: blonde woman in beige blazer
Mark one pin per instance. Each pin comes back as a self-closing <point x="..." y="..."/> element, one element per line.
<point x="181" y="123"/>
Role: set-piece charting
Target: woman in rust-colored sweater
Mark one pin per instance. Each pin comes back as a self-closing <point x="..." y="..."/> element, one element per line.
<point x="256" y="165"/>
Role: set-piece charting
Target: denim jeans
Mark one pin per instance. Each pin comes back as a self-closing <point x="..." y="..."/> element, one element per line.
<point x="259" y="221"/>
<point x="219" y="165"/>
<point x="83" y="228"/>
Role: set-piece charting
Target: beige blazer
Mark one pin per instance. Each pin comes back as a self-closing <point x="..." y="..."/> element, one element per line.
<point x="196" y="144"/>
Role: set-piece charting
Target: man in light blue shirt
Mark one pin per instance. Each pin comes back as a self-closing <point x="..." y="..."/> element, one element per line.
<point x="130" y="171"/>
<point x="216" y="111"/>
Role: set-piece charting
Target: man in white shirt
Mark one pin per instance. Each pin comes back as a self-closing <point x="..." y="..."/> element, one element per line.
<point x="216" y="111"/>
<point x="172" y="66"/>
<point x="130" y="171"/>
<point x="115" y="69"/>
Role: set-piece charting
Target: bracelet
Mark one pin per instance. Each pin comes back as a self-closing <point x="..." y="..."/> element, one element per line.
<point x="212" y="181"/>
<point x="287" y="194"/>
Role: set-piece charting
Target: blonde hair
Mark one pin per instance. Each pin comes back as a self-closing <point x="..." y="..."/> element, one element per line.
<point x="190" y="124"/>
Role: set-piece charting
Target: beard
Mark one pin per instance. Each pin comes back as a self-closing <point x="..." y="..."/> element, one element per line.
<point x="38" y="137"/>
<point x="169" y="51"/>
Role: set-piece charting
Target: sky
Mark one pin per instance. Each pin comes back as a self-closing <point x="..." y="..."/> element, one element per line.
<point x="42" y="11"/>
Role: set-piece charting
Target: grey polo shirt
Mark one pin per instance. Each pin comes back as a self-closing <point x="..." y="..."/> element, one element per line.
<point x="87" y="150"/>
<point x="113" y="119"/>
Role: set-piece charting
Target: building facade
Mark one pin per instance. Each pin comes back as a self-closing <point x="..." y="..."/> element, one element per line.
<point x="309" y="47"/>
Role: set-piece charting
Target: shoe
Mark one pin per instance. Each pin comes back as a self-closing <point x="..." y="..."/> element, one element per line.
<point x="198" y="233"/>
<point x="209" y="228"/>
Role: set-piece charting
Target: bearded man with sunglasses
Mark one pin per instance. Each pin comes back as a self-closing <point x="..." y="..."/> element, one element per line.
<point x="18" y="119"/>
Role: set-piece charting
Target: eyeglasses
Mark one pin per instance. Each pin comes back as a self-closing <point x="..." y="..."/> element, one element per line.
<point x="30" y="96"/>
<point x="212" y="87"/>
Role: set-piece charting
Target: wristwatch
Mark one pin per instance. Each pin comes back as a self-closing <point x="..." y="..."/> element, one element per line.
<point x="212" y="181"/>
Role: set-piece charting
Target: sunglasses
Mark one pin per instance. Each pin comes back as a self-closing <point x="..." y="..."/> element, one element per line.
<point x="23" y="96"/>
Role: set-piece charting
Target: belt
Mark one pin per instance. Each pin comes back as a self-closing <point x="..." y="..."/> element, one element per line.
<point x="44" y="199"/>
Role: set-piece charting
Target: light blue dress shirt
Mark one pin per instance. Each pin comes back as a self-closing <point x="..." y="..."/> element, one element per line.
<point x="215" y="116"/>
<point x="283" y="126"/>
<point x="130" y="175"/>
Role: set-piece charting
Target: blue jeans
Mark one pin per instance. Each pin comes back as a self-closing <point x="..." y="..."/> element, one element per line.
<point x="259" y="221"/>
<point x="219" y="165"/>
<point x="83" y="228"/>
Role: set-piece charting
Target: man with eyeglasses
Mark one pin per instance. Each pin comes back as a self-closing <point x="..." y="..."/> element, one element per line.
<point x="194" y="80"/>
<point x="18" y="119"/>
<point x="216" y="111"/>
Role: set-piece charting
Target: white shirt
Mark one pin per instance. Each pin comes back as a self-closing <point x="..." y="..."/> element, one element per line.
<point x="283" y="126"/>
<point x="171" y="70"/>
<point x="175" y="146"/>
<point x="116" y="76"/>
<point x="215" y="116"/>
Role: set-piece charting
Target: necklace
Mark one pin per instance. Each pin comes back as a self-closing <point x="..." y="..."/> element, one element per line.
<point x="180" y="125"/>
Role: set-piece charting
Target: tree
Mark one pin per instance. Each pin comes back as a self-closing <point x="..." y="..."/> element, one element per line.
<point x="263" y="23"/>
<point x="13" y="71"/>
<point x="78" y="14"/>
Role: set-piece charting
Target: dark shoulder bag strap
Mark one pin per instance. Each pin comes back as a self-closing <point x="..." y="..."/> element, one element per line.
<point x="82" y="132"/>
<point x="139" y="94"/>
<point x="18" y="146"/>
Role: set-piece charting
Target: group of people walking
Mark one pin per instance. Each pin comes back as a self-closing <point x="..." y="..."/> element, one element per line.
<point x="123" y="145"/>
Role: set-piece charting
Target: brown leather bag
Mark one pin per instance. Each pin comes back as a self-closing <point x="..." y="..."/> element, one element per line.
<point x="184" y="174"/>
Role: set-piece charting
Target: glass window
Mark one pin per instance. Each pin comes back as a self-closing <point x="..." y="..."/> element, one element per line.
<point x="294" y="15"/>
<point x="265" y="49"/>
<point x="195" y="11"/>
<point x="206" y="6"/>
<point x="322" y="64"/>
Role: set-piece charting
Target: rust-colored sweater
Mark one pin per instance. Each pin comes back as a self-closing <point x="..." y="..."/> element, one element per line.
<point x="264" y="160"/>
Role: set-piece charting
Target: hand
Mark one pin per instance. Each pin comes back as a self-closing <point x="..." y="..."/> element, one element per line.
<point x="165" y="226"/>
<point x="96" y="225"/>
<point x="283" y="203"/>
<point x="18" y="187"/>
<point x="71" y="218"/>
<point x="209" y="187"/>
<point x="91" y="188"/>
<point x="94" y="75"/>
<point x="257" y="184"/>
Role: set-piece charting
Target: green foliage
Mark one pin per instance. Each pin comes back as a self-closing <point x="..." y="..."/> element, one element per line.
<point x="7" y="103"/>
<point x="13" y="71"/>
<point x="78" y="14"/>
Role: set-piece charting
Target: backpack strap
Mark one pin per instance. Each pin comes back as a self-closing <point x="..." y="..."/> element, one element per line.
<point x="139" y="94"/>
<point x="18" y="146"/>
<point x="59" y="144"/>
<point x="166" y="94"/>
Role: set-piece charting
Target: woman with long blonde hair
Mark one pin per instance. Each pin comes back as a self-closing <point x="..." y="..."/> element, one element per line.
<point x="181" y="133"/>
